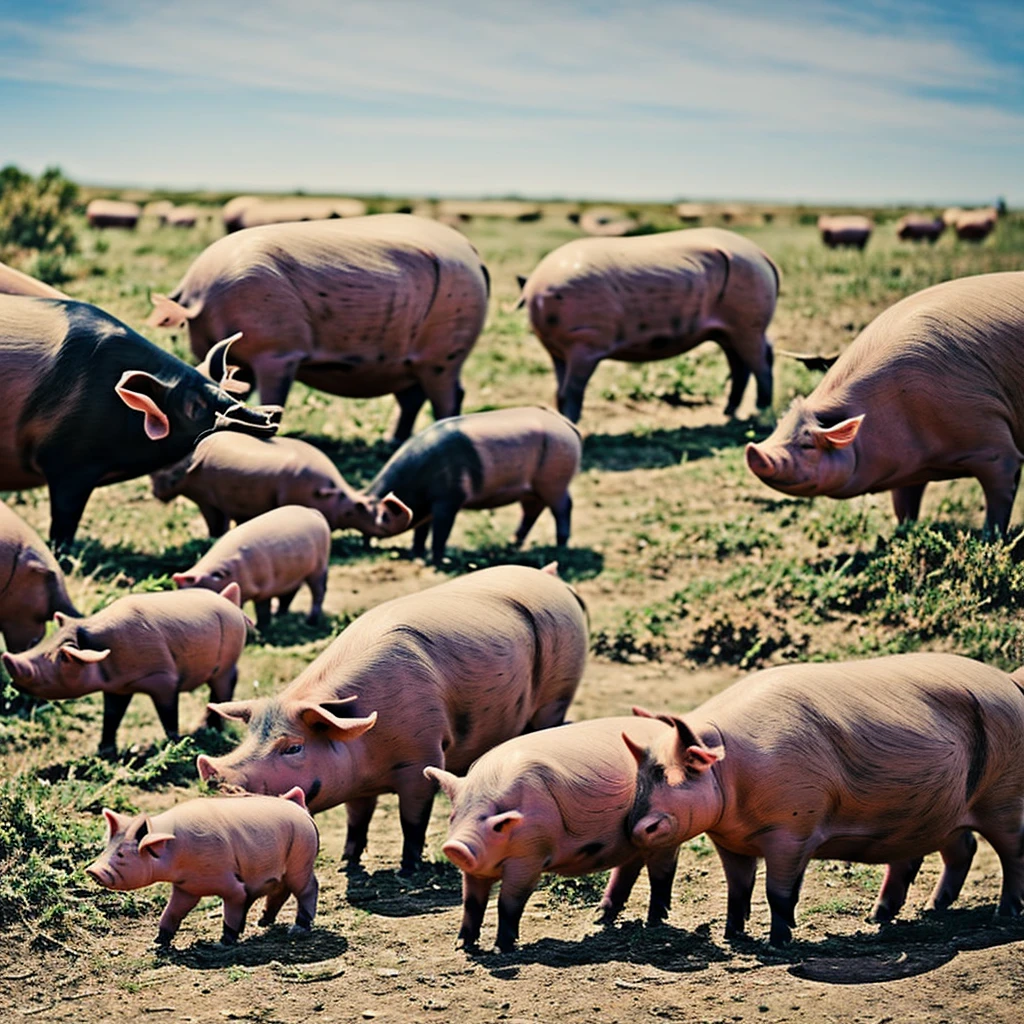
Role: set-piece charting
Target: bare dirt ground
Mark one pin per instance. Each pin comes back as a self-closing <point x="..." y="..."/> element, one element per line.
<point x="662" y="497"/>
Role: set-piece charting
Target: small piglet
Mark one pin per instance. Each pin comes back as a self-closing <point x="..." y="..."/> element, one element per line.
<point x="237" y="847"/>
<point x="482" y="460"/>
<point x="552" y="801"/>
<point x="234" y="477"/>
<point x="269" y="556"/>
<point x="161" y="644"/>
<point x="32" y="585"/>
<point x="879" y="761"/>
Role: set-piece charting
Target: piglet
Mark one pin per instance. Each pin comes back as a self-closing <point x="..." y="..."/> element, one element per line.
<point x="482" y="460"/>
<point x="32" y="586"/>
<point x="269" y="556"/>
<point x="552" y="801"/>
<point x="237" y="847"/>
<point x="162" y="644"/>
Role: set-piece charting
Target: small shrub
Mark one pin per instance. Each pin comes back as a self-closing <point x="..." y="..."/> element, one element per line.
<point x="35" y="217"/>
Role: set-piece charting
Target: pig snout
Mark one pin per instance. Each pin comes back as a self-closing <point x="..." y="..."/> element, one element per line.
<point x="460" y="854"/>
<point x="654" y="830"/>
<point x="101" y="873"/>
<point x="21" y="670"/>
<point x="759" y="463"/>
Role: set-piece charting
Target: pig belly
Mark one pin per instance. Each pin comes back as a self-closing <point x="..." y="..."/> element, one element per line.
<point x="352" y="379"/>
<point x="507" y="495"/>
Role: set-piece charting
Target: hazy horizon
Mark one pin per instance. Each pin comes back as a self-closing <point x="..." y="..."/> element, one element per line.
<point x="890" y="103"/>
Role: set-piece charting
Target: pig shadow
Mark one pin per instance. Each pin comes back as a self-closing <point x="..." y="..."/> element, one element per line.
<point x="664" y="947"/>
<point x="574" y="564"/>
<point x="291" y="629"/>
<point x="109" y="561"/>
<point x="259" y="949"/>
<point x="433" y="889"/>
<point x="656" y="449"/>
<point x="357" y="460"/>
<point x="903" y="949"/>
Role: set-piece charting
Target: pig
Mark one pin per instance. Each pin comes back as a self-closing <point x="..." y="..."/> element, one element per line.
<point x="75" y="380"/>
<point x="365" y="306"/>
<point x="608" y="222"/>
<point x="976" y="225"/>
<point x="553" y="801"/>
<point x="181" y="217"/>
<point x="235" y="477"/>
<point x="158" y="209"/>
<point x="269" y="556"/>
<point x="231" y="212"/>
<point x="14" y="282"/>
<point x="851" y="230"/>
<point x="931" y="389"/>
<point x="32" y="586"/>
<point x="112" y="213"/>
<point x="915" y="227"/>
<point x="879" y="761"/>
<point x="950" y="216"/>
<point x="161" y="644"/>
<point x="297" y="208"/>
<point x="237" y="847"/>
<point x="483" y="460"/>
<point x="653" y="297"/>
<point x="430" y="679"/>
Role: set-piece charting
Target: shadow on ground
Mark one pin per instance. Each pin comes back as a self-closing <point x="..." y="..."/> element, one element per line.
<point x="275" y="944"/>
<point x="432" y="889"/>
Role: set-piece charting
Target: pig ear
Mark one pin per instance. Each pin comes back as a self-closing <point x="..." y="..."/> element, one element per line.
<point x="842" y="435"/>
<point x="155" y="842"/>
<point x="158" y="426"/>
<point x="236" y="710"/>
<point x="392" y="505"/>
<point x="166" y="312"/>
<point x="551" y="569"/>
<point x="504" y="824"/>
<point x="60" y="618"/>
<point x="84" y="656"/>
<point x="448" y="783"/>
<point x="639" y="753"/>
<point x="700" y="759"/>
<point x="217" y="368"/>
<point x="233" y="593"/>
<point x="521" y="278"/>
<point x="115" y="822"/>
<point x="642" y="712"/>
<point x="296" y="795"/>
<point x="321" y="717"/>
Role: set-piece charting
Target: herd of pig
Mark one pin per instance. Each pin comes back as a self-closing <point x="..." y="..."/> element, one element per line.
<point x="465" y="687"/>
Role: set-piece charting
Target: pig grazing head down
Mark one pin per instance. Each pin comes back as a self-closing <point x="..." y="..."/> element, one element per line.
<point x="60" y="671"/>
<point x="123" y="865"/>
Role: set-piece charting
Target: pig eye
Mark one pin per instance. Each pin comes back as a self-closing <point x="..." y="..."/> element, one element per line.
<point x="292" y="748"/>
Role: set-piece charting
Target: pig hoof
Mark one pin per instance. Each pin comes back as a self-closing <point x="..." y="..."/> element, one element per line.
<point x="298" y="931"/>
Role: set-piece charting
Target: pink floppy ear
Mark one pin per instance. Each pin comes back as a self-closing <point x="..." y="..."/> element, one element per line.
<point x="155" y="842"/>
<point x="639" y="753"/>
<point x="842" y="435"/>
<point x="86" y="657"/>
<point x="158" y="426"/>
<point x="505" y="824"/>
<point x="700" y="759"/>
<point x="115" y="822"/>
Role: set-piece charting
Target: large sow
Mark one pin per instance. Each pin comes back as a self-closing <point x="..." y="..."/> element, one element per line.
<point x="880" y="761"/>
<point x="653" y="297"/>
<point x="435" y="678"/>
<point x="361" y="307"/>
<point x="75" y="380"/>
<point x="932" y="389"/>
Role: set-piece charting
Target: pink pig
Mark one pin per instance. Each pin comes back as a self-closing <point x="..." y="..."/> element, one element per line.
<point x="237" y="847"/>
<point x="879" y="761"/>
<point x="552" y="801"/>
<point x="162" y="644"/>
<point x="269" y="556"/>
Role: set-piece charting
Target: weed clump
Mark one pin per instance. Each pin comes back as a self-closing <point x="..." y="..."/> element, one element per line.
<point x="35" y="218"/>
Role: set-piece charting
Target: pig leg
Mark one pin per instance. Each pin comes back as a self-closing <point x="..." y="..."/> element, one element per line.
<point x="620" y="885"/>
<point x="262" y="614"/>
<point x="216" y="520"/>
<point x="444" y="391"/>
<point x="410" y="401"/>
<point x="475" y="893"/>
<point x="275" y="374"/>
<point x="956" y="859"/>
<point x="763" y="375"/>
<point x="276" y="899"/>
<point x="739" y="374"/>
<point x="532" y="508"/>
<point x="317" y="584"/>
<point x="550" y="714"/>
<point x="284" y="602"/>
<point x="222" y="689"/>
<point x="114" y="707"/>
<point x="999" y="480"/>
<point x="306" y="894"/>
<point x="236" y="908"/>
<point x="559" y="365"/>
<point x="562" y="511"/>
<point x="167" y="712"/>
<point x="518" y="880"/>
<point x="68" y="498"/>
<point x="893" y="894"/>
<point x="740" y="872"/>
<point x="785" y="874"/>
<point x="419" y="539"/>
<point x="1007" y="839"/>
<point x="415" y="799"/>
<point x="443" y="517"/>
<point x="359" y="814"/>
<point x="906" y="502"/>
<point x="661" y="871"/>
<point x="178" y="906"/>
<point x="579" y="370"/>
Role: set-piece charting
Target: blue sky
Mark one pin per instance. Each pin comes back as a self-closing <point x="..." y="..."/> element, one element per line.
<point x="873" y="101"/>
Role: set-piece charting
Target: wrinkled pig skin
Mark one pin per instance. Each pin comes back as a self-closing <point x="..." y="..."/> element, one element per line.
<point x="161" y="644"/>
<point x="367" y="306"/>
<point x="269" y="556"/>
<point x="932" y="389"/>
<point x="75" y="382"/>
<point x="653" y="297"/>
<point x="240" y="848"/>
<point x="552" y="801"/>
<point x="434" y="678"/>
<point x="32" y="586"/>
<point x="233" y="477"/>
<point x="482" y="460"/>
<point x="879" y="761"/>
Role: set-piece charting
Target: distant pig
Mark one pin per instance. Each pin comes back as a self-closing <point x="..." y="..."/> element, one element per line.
<point x="435" y="678"/>
<point x="237" y="847"/>
<point x="932" y="389"/>
<point x="234" y="477"/>
<point x="365" y="306"/>
<point x="653" y="297"/>
<point x="162" y="644"/>
<point x="976" y="225"/>
<point x="112" y="213"/>
<point x="269" y="556"/>
<point x="917" y="228"/>
<point x="852" y="230"/>
<point x="483" y="460"/>
<point x="87" y="401"/>
<point x="879" y="761"/>
<point x="32" y="585"/>
<point x="553" y="801"/>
